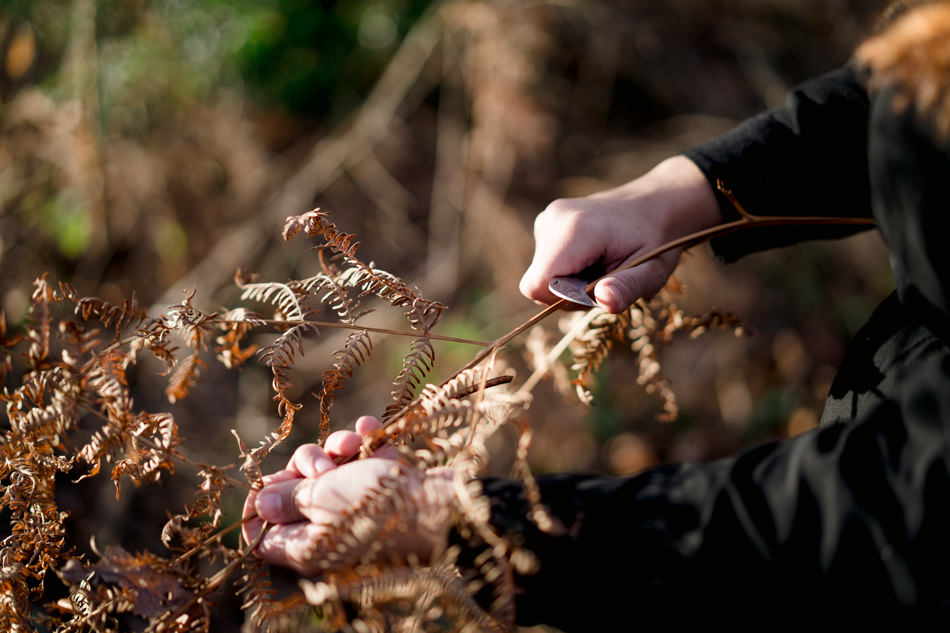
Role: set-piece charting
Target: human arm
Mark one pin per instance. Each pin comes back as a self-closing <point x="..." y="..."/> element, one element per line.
<point x="608" y="228"/>
<point x="845" y="520"/>
<point x="805" y="158"/>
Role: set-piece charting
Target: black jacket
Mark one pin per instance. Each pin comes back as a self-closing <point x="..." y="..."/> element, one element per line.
<point x="850" y="520"/>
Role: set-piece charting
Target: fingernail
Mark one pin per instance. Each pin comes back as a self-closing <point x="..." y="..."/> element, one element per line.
<point x="268" y="505"/>
<point x="323" y="463"/>
<point x="606" y="296"/>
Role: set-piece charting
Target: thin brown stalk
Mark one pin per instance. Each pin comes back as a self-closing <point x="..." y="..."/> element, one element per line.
<point x="212" y="583"/>
<point x="349" y="326"/>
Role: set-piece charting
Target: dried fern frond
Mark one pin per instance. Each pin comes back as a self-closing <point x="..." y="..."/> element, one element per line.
<point x="238" y="323"/>
<point x="416" y="365"/>
<point x="421" y="313"/>
<point x="131" y="314"/>
<point x="254" y="585"/>
<point x="38" y="332"/>
<point x="334" y="294"/>
<point x="280" y="295"/>
<point x="184" y="378"/>
<point x="645" y="326"/>
<point x="356" y="349"/>
<point x="142" y="585"/>
<point x="419" y="595"/>
<point x="280" y="355"/>
<point x="592" y="346"/>
<point x="153" y="439"/>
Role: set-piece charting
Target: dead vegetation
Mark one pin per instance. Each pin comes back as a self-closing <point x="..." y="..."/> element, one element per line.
<point x="485" y="112"/>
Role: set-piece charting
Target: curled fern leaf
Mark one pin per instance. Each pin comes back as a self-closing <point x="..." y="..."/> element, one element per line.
<point x="315" y="223"/>
<point x="149" y="450"/>
<point x="415" y="367"/>
<point x="356" y="349"/>
<point x="592" y="347"/>
<point x="184" y="378"/>
<point x="238" y="324"/>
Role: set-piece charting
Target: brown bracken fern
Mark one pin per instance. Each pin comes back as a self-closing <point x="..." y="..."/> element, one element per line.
<point x="72" y="416"/>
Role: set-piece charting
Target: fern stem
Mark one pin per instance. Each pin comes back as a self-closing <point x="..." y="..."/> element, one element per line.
<point x="746" y="219"/>
<point x="349" y="326"/>
<point x="730" y="227"/>
<point x="209" y="585"/>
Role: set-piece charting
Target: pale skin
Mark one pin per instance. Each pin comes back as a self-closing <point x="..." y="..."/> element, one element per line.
<point x="607" y="228"/>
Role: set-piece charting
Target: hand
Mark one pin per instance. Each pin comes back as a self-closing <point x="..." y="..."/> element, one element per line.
<point x="614" y="226"/>
<point x="302" y="502"/>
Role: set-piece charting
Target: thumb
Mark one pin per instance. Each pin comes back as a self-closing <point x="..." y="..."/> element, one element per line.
<point x="617" y="291"/>
<point x="277" y="503"/>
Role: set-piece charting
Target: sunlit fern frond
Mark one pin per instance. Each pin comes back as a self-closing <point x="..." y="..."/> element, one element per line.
<point x="280" y="295"/>
<point x="422" y="314"/>
<point x="39" y="324"/>
<point x="280" y="356"/>
<point x="331" y="292"/>
<point x="15" y="600"/>
<point x="47" y="405"/>
<point x="257" y="594"/>
<point x="194" y="325"/>
<point x="190" y="530"/>
<point x="591" y="348"/>
<point x="37" y="540"/>
<point x="417" y="422"/>
<point x="408" y="598"/>
<point x="184" y="378"/>
<point x="149" y="451"/>
<point x="315" y="223"/>
<point x="356" y="349"/>
<point x="131" y="314"/>
<point x="416" y="365"/>
<point x="108" y="381"/>
<point x="237" y="324"/>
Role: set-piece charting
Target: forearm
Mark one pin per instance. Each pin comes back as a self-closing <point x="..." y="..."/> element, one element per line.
<point x="807" y="157"/>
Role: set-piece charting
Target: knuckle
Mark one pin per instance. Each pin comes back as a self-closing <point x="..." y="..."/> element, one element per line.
<point x="553" y="214"/>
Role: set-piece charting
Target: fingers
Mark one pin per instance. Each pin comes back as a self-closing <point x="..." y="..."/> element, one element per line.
<point x="277" y="503"/>
<point x="617" y="292"/>
<point x="291" y="545"/>
<point x="365" y="424"/>
<point x="561" y="248"/>
<point x="343" y="444"/>
<point x="416" y="531"/>
<point x="309" y="460"/>
<point x="279" y="500"/>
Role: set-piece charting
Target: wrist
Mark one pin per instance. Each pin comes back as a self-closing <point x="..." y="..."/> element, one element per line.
<point x="690" y="198"/>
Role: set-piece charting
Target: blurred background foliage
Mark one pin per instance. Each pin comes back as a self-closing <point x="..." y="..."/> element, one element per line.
<point x="152" y="146"/>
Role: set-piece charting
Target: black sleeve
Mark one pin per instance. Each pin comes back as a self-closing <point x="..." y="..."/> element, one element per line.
<point x="806" y="158"/>
<point x="851" y="518"/>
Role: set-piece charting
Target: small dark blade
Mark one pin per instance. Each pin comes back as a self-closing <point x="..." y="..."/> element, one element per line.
<point x="573" y="289"/>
